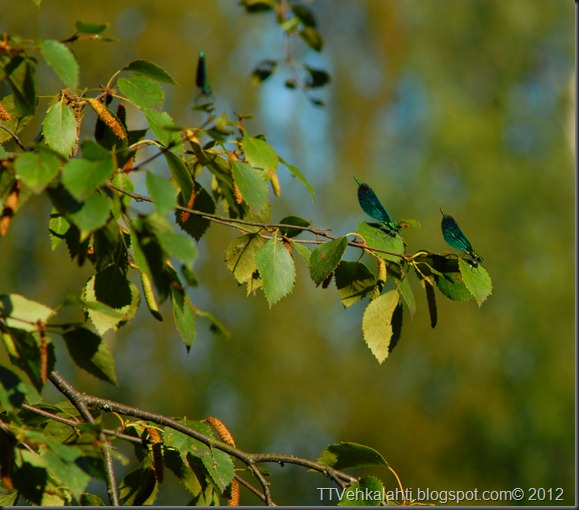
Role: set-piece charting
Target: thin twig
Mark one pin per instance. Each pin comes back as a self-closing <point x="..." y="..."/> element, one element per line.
<point x="14" y="137"/>
<point x="236" y="223"/>
<point x="251" y="488"/>
<point x="75" y="424"/>
<point x="77" y="400"/>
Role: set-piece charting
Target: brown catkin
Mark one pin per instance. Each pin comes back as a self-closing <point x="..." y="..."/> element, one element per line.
<point x="234" y="493"/>
<point x="221" y="430"/>
<point x="10" y="205"/>
<point x="4" y="115"/>
<point x="43" y="351"/>
<point x="226" y="437"/>
<point x="237" y="194"/>
<point x="107" y="117"/>
<point x="275" y="185"/>
<point x="157" y="449"/>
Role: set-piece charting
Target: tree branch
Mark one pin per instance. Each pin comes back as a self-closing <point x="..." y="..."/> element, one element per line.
<point x="77" y="400"/>
<point x="83" y="401"/>
<point x="238" y="224"/>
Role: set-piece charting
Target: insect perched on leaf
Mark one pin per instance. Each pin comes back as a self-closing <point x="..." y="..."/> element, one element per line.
<point x="201" y="77"/>
<point x="372" y="206"/>
<point x="455" y="238"/>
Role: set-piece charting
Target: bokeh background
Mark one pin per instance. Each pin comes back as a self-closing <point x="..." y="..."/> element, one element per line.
<point x="467" y="105"/>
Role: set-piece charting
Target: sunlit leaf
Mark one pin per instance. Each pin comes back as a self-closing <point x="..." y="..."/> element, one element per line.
<point x="22" y="313"/>
<point x="62" y="61"/>
<point x="251" y="185"/>
<point x="476" y="280"/>
<point x="259" y="153"/>
<point x="81" y="177"/>
<point x="151" y="70"/>
<point x="378" y="325"/>
<point x="37" y="169"/>
<point x="347" y="455"/>
<point x="60" y="128"/>
<point x="142" y="91"/>
<point x="162" y="192"/>
<point x="277" y="270"/>
<point x="240" y="256"/>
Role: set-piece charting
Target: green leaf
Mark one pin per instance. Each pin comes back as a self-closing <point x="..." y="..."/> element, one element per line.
<point x="293" y="220"/>
<point x="62" y="61"/>
<point x="150" y="296"/>
<point x="151" y="70"/>
<point x="431" y="301"/>
<point x="88" y="499"/>
<point x="277" y="270"/>
<point x="59" y="128"/>
<point x="81" y="177"/>
<point x="24" y="350"/>
<point x="376" y="238"/>
<point x="258" y="5"/>
<point x="178" y="246"/>
<point x="476" y="280"/>
<point x="142" y="91"/>
<point x="180" y="173"/>
<point x="406" y="292"/>
<point x="163" y="128"/>
<point x="347" y="455"/>
<point x="9" y="498"/>
<point x="91" y="28"/>
<point x="24" y="100"/>
<point x="304" y="251"/>
<point x="37" y="169"/>
<point x="251" y="185"/>
<point x="12" y="390"/>
<point x="21" y="313"/>
<point x="312" y="38"/>
<point x="139" y="487"/>
<point x="215" y="326"/>
<point x="93" y="214"/>
<point x="219" y="466"/>
<point x="259" y="153"/>
<point x="317" y="77"/>
<point x="354" y="282"/>
<point x="240" y="256"/>
<point x="94" y="151"/>
<point x="162" y="192"/>
<point x="110" y="299"/>
<point x="305" y="15"/>
<point x="297" y="173"/>
<point x="263" y="70"/>
<point x="326" y="258"/>
<point x="378" y="324"/>
<point x="90" y="352"/>
<point x="184" y="315"/>
<point x="367" y="491"/>
<point x="450" y="282"/>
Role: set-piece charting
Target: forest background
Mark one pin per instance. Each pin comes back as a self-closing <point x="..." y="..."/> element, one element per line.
<point x="467" y="105"/>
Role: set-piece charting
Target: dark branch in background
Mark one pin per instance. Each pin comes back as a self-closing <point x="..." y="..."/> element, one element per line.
<point x="82" y="402"/>
<point x="14" y="137"/>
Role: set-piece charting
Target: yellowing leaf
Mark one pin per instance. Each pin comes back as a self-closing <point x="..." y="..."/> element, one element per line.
<point x="377" y="325"/>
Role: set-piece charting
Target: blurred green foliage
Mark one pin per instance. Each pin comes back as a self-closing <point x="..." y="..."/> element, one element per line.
<point x="465" y="105"/>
